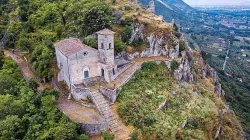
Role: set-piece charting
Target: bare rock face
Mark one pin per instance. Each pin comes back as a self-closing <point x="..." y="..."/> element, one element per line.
<point x="208" y="71"/>
<point x="137" y="32"/>
<point x="183" y="73"/>
<point x="203" y="70"/>
<point x="157" y="45"/>
<point x="118" y="15"/>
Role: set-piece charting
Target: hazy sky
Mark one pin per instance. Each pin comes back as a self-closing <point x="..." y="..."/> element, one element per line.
<point x="215" y="2"/>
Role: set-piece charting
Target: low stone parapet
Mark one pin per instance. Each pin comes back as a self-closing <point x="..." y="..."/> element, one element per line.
<point x="110" y="94"/>
<point x="94" y="129"/>
<point x="80" y="93"/>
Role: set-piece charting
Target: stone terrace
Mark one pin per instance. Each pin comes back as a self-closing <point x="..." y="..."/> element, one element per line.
<point x="123" y="77"/>
<point x="79" y="113"/>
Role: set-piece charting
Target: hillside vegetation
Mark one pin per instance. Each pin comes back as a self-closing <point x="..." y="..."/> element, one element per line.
<point x="191" y="110"/>
<point x="32" y="26"/>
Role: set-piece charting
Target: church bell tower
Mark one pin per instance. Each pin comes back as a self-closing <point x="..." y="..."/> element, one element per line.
<point x="106" y="46"/>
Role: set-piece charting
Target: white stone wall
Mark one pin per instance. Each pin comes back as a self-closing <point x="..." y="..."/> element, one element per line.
<point x="106" y="53"/>
<point x="79" y="61"/>
<point x="62" y="64"/>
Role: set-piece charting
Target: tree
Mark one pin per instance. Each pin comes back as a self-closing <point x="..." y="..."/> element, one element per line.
<point x="92" y="42"/>
<point x="32" y="84"/>
<point x="1" y="58"/>
<point x="24" y="44"/>
<point x="95" y="19"/>
<point x="11" y="128"/>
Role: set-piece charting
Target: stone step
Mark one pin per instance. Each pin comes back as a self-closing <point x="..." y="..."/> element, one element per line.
<point x="114" y="120"/>
<point x="98" y="101"/>
<point x="115" y="129"/>
<point x="106" y="113"/>
<point x="110" y="119"/>
<point x="109" y="115"/>
<point x="113" y="125"/>
<point x="102" y="103"/>
<point x="103" y="106"/>
<point x="98" y="97"/>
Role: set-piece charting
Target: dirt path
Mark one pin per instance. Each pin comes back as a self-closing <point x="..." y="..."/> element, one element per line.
<point x="26" y="71"/>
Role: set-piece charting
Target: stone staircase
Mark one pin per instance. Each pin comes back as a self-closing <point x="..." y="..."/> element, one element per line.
<point x="103" y="107"/>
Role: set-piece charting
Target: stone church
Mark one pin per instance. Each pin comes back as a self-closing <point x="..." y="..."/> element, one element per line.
<point x="80" y="64"/>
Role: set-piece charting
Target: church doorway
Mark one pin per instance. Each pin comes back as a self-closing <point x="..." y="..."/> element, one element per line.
<point x="102" y="70"/>
<point x="85" y="72"/>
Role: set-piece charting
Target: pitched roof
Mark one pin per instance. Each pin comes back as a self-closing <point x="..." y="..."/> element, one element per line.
<point x="105" y="32"/>
<point x="71" y="46"/>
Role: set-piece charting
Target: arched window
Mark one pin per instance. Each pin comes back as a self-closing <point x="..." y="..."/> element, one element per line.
<point x="109" y="45"/>
<point x="102" y="46"/>
<point x="85" y="72"/>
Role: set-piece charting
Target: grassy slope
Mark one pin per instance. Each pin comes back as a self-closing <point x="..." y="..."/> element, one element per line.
<point x="140" y="98"/>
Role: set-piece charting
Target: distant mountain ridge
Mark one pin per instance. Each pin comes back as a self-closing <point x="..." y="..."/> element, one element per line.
<point x="170" y="4"/>
<point x="172" y="9"/>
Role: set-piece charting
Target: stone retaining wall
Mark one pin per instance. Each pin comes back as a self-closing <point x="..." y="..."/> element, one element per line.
<point x="80" y="93"/>
<point x="110" y="94"/>
<point x="94" y="129"/>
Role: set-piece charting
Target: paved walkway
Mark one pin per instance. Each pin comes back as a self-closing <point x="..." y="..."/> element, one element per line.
<point x="26" y="71"/>
<point x="121" y="79"/>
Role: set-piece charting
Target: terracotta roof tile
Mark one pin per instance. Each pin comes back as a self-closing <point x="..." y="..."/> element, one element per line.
<point x="71" y="46"/>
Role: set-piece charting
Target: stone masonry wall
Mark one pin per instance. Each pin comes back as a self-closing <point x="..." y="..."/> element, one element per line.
<point x="110" y="94"/>
<point x="94" y="129"/>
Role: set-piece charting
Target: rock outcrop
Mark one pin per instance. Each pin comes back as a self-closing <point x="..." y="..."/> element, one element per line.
<point x="183" y="73"/>
<point x="158" y="45"/>
<point x="202" y="70"/>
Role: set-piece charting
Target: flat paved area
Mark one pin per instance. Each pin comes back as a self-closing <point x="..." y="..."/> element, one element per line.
<point x="79" y="113"/>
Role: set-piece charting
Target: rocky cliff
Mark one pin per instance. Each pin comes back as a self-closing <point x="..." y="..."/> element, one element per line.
<point x="159" y="44"/>
<point x="193" y="67"/>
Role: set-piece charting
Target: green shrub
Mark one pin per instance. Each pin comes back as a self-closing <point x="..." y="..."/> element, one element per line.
<point x="149" y="66"/>
<point x="134" y="135"/>
<point x="174" y="65"/>
<point x="119" y="46"/>
<point x="182" y="46"/>
<point x="192" y="124"/>
<point x="91" y="42"/>
<point x="126" y="34"/>
<point x="32" y="84"/>
<point x="137" y="42"/>
<point x="149" y="119"/>
<point x="127" y="21"/>
<point x="107" y="136"/>
<point x="83" y="137"/>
